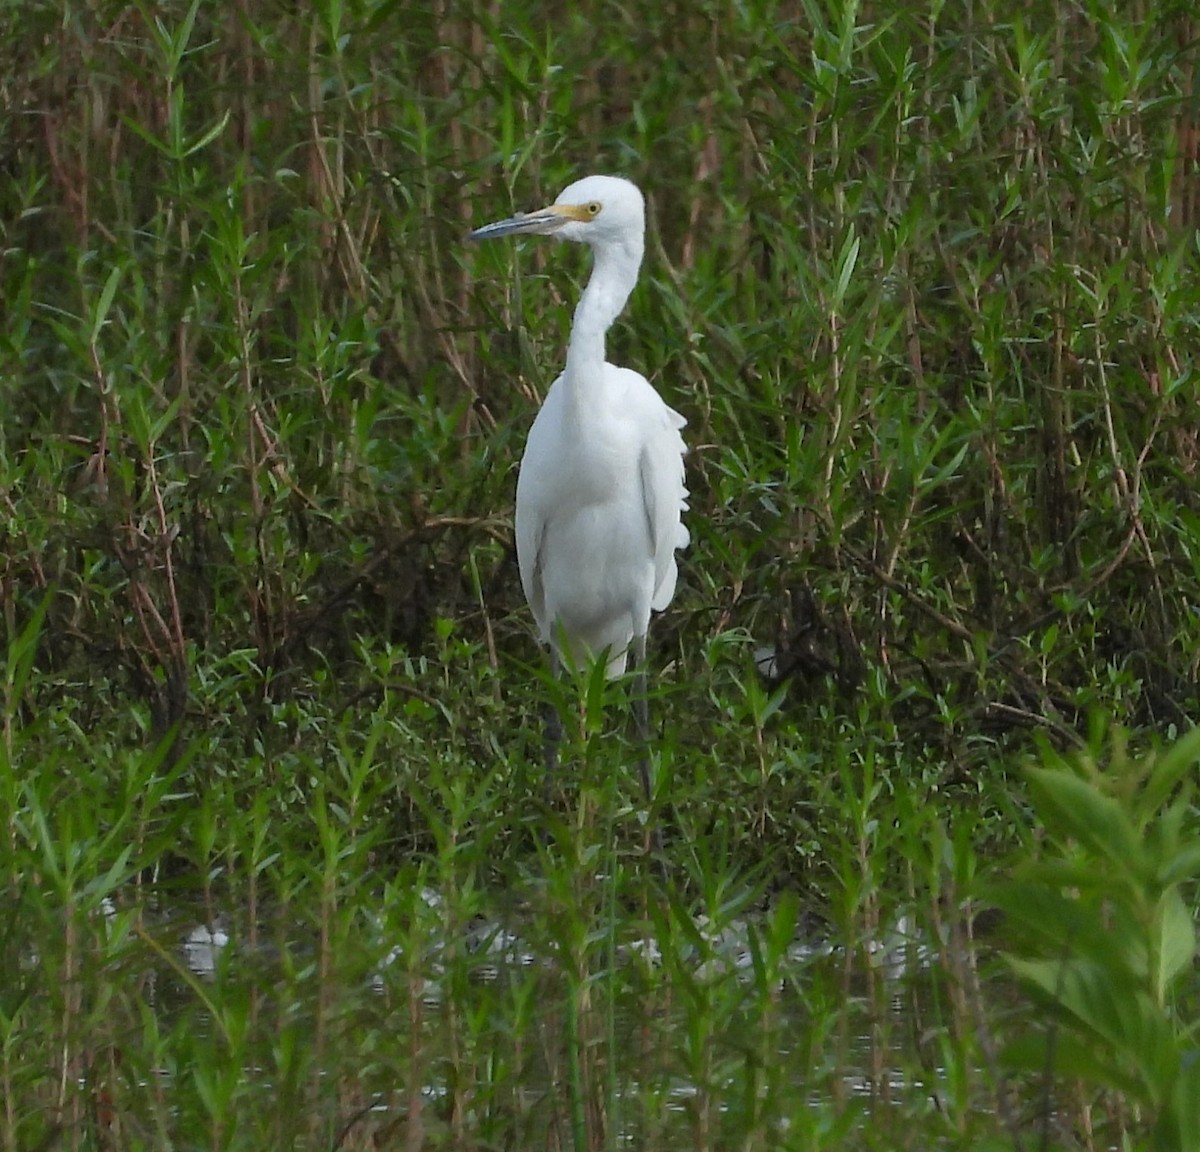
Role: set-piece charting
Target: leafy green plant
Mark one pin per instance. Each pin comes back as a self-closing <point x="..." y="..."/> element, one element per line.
<point x="1100" y="930"/>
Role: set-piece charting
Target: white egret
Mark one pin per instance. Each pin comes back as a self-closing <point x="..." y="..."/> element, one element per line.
<point x="600" y="494"/>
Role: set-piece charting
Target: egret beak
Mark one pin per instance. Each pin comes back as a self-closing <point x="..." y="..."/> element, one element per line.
<point x="543" y="222"/>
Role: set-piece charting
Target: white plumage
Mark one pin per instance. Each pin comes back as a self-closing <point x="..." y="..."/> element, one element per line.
<point x="601" y="494"/>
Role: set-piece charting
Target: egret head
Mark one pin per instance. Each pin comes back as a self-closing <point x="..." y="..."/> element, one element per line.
<point x="596" y="210"/>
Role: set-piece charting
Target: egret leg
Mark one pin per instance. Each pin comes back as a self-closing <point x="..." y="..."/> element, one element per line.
<point x="554" y="726"/>
<point x="641" y="711"/>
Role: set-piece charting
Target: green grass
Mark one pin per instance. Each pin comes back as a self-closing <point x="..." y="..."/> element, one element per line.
<point x="923" y="280"/>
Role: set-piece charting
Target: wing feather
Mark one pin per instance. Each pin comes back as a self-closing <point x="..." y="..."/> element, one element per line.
<point x="530" y="529"/>
<point x="664" y="499"/>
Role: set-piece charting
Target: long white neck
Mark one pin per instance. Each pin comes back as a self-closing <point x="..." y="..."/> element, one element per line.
<point x="614" y="274"/>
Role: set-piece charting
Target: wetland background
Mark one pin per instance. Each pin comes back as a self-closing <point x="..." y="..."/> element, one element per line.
<point x="923" y="279"/>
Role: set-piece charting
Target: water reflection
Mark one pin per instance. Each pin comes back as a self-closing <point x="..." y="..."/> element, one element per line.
<point x="202" y="948"/>
<point x="493" y="946"/>
<point x="682" y="1018"/>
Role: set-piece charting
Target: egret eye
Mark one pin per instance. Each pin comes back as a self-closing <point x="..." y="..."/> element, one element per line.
<point x="593" y="209"/>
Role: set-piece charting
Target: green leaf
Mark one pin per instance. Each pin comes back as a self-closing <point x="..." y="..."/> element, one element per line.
<point x="1183" y="866"/>
<point x="847" y="259"/>
<point x="209" y="136"/>
<point x="1114" y="1010"/>
<point x="1177" y="941"/>
<point x="1179" y="1123"/>
<point x="22" y="650"/>
<point x="104" y="303"/>
<point x="1066" y="1055"/>
<point x="1045" y="916"/>
<point x="1170" y="767"/>
<point x="1085" y="813"/>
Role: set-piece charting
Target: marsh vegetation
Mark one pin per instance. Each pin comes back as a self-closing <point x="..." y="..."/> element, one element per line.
<point x="280" y="866"/>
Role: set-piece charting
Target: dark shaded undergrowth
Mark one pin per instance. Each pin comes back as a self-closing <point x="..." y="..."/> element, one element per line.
<point x="924" y="286"/>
